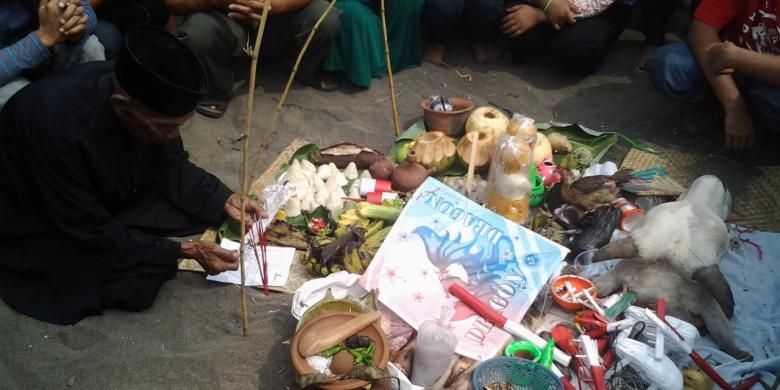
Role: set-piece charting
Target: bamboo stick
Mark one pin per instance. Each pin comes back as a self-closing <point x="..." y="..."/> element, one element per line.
<point x="278" y="110"/>
<point x="255" y="53"/>
<point x="390" y="73"/>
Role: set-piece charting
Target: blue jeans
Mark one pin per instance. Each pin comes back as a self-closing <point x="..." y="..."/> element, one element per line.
<point x="65" y="56"/>
<point x="673" y="71"/>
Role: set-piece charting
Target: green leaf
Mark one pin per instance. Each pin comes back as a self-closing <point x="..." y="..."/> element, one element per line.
<point x="298" y="221"/>
<point x="304" y="152"/>
<point x="407" y="136"/>
<point x="229" y="229"/>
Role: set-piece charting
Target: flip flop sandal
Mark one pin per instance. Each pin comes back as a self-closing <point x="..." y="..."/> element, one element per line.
<point x="212" y="109"/>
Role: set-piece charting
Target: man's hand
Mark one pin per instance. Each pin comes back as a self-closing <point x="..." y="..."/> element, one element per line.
<point x="739" y="129"/>
<point x="74" y="21"/>
<point x="253" y="209"/>
<point x="560" y="13"/>
<point x="720" y="57"/>
<point x="49" y="14"/>
<point x="212" y="257"/>
<point x="246" y="10"/>
<point x="521" y="18"/>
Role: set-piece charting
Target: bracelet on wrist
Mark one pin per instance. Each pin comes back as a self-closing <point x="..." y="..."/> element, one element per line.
<point x="547" y="5"/>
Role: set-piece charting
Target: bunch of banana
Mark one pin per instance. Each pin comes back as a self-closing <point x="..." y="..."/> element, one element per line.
<point x="357" y="258"/>
<point x="347" y="219"/>
<point x="314" y="254"/>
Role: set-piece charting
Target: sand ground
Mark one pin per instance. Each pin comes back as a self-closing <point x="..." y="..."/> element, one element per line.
<point x="191" y="337"/>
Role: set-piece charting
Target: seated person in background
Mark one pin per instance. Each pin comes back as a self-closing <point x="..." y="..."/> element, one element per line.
<point x="359" y="50"/>
<point x="479" y="19"/>
<point x="576" y="34"/>
<point x="94" y="177"/>
<point x="116" y="16"/>
<point x="218" y="31"/>
<point x="734" y="48"/>
<point x="34" y="40"/>
<point x="655" y="20"/>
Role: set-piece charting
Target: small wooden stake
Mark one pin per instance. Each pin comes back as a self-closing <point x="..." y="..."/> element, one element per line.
<point x="390" y="73"/>
<point x="269" y="130"/>
<point x="245" y="159"/>
<point x="473" y="156"/>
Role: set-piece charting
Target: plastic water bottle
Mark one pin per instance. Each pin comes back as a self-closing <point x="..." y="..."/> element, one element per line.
<point x="435" y="348"/>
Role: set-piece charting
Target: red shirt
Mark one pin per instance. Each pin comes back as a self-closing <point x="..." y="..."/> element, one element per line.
<point x="751" y="24"/>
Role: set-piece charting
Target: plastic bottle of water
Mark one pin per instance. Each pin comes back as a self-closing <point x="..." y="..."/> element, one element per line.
<point x="435" y="348"/>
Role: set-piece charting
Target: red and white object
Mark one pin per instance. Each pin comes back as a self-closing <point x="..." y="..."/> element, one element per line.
<point x="368" y="186"/>
<point x="589" y="348"/>
<point x="379" y="197"/>
<point x="502" y="322"/>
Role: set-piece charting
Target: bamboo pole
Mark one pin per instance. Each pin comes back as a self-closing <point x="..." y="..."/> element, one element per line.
<point x="278" y="110"/>
<point x="255" y="53"/>
<point x="390" y="73"/>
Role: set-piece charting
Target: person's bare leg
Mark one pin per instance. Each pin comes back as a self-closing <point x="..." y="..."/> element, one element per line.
<point x="435" y="54"/>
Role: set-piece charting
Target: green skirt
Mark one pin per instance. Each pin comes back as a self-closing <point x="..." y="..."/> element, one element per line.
<point x="359" y="52"/>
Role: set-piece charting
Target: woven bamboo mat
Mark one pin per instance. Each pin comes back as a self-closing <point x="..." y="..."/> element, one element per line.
<point x="756" y="200"/>
<point x="298" y="273"/>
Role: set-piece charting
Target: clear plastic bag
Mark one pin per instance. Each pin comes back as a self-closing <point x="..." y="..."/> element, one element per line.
<point x="435" y="348"/>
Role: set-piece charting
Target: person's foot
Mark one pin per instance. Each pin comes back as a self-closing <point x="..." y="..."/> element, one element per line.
<point x="323" y="81"/>
<point x="647" y="51"/>
<point x="435" y="54"/>
<point x="486" y="52"/>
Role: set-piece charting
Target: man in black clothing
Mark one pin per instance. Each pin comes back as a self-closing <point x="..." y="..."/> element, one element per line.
<point x="93" y="177"/>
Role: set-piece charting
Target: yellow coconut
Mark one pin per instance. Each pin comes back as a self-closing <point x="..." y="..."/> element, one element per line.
<point x="542" y="149"/>
<point x="487" y="120"/>
<point x="485" y="145"/>
<point x="435" y="150"/>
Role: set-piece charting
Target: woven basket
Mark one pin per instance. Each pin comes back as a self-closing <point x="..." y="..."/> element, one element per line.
<point x="514" y="373"/>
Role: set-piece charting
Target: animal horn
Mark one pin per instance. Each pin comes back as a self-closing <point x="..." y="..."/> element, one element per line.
<point x="621" y="249"/>
<point x="713" y="281"/>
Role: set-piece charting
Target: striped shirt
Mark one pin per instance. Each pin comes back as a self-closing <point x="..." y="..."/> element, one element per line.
<point x="20" y="48"/>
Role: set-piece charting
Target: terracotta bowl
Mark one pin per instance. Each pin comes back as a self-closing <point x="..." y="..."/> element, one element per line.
<point x="333" y="321"/>
<point x="451" y="123"/>
<point x="558" y="289"/>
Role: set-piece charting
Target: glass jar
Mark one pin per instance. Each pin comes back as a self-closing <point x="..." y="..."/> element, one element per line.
<point x="509" y="181"/>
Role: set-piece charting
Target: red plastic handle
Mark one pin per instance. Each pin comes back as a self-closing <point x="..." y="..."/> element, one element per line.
<point x="661" y="309"/>
<point x="566" y="383"/>
<point x="598" y="378"/>
<point x="478" y="306"/>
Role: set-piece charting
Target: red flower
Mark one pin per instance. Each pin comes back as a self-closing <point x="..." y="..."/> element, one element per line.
<point x="317" y="224"/>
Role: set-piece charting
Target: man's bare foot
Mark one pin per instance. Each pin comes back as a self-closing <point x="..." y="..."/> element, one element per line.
<point x="647" y="51"/>
<point x="486" y="52"/>
<point x="435" y="54"/>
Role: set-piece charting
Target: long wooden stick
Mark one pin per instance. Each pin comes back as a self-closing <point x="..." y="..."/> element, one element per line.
<point x="390" y="73"/>
<point x="278" y="110"/>
<point x="245" y="159"/>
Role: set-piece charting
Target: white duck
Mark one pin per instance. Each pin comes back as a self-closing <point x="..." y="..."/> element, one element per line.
<point x="689" y="234"/>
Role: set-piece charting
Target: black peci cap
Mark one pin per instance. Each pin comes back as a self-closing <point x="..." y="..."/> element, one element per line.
<point x="160" y="72"/>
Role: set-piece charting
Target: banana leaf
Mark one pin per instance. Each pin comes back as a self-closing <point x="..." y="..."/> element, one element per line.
<point x="597" y="142"/>
<point x="230" y="228"/>
<point x="302" y="153"/>
<point x="406" y="137"/>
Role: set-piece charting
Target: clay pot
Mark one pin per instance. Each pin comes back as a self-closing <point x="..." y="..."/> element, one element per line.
<point x="435" y="150"/>
<point x="448" y="122"/>
<point x="485" y="146"/>
<point x="331" y="321"/>
<point x="409" y="175"/>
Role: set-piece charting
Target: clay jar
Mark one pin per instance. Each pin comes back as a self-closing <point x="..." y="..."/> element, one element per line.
<point x="409" y="175"/>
